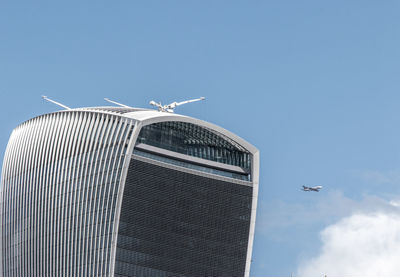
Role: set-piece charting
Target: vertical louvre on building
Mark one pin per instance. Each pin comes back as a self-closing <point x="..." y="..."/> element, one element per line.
<point x="60" y="180"/>
<point x="110" y="191"/>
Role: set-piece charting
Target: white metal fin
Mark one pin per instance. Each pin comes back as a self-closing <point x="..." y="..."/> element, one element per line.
<point x="54" y="102"/>
<point x="116" y="103"/>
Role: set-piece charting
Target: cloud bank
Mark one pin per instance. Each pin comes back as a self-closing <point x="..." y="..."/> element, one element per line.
<point x="363" y="244"/>
<point x="275" y="216"/>
<point x="359" y="237"/>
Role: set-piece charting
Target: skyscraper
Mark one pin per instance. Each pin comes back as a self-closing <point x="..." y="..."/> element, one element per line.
<point x="111" y="191"/>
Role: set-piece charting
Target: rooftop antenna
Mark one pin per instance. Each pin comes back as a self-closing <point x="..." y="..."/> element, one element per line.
<point x="170" y="107"/>
<point x="54" y="102"/>
<point x="116" y="103"/>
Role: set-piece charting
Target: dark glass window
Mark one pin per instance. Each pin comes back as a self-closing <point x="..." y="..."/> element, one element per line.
<point x="174" y="223"/>
<point x="194" y="140"/>
<point x="244" y="177"/>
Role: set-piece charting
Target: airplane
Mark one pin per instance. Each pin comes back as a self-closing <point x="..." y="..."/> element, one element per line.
<point x="316" y="188"/>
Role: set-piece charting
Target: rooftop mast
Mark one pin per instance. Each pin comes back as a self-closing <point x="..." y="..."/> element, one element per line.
<point x="170" y="107"/>
<point x="54" y="102"/>
<point x="116" y="103"/>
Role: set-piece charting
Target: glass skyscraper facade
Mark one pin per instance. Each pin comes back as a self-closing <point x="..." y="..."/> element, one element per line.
<point x="126" y="192"/>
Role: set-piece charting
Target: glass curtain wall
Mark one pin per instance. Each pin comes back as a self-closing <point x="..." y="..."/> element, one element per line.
<point x="177" y="224"/>
<point x="193" y="140"/>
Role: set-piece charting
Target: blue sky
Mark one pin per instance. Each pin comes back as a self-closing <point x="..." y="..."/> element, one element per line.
<point x="313" y="84"/>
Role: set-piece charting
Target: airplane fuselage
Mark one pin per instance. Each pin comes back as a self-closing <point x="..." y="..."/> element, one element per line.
<point x="316" y="188"/>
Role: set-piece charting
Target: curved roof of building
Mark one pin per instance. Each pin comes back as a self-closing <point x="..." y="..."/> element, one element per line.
<point x="120" y="110"/>
<point x="149" y="116"/>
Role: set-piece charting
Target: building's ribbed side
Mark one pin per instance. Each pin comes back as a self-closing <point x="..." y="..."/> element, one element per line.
<point x="59" y="186"/>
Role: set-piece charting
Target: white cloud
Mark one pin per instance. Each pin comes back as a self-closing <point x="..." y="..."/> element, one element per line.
<point x="363" y="244"/>
<point x="362" y="237"/>
<point x="395" y="203"/>
<point x="324" y="208"/>
<point x="378" y="178"/>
